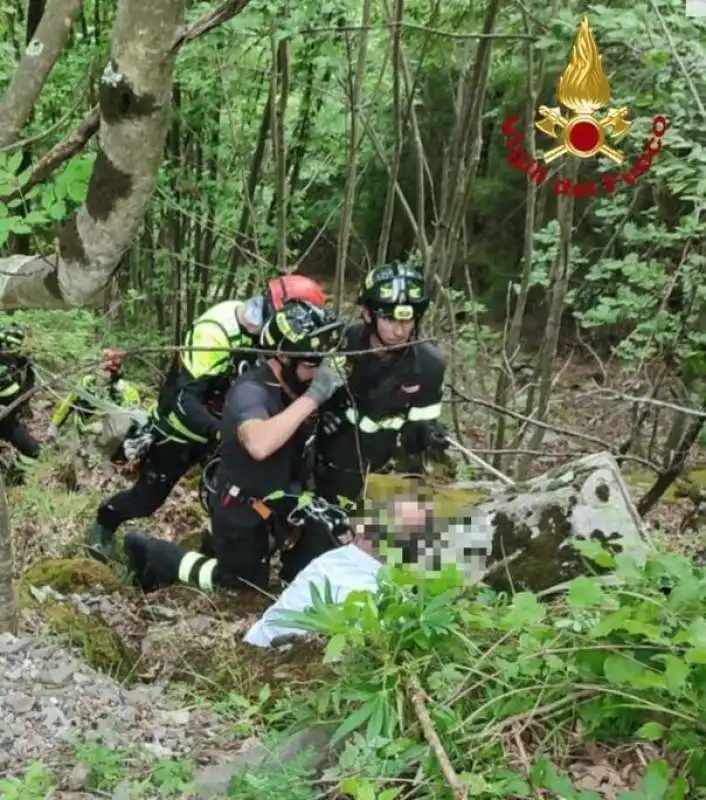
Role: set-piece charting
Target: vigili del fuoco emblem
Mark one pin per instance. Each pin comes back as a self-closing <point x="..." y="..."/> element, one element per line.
<point x="584" y="89"/>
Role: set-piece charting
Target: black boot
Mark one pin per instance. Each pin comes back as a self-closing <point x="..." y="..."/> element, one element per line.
<point x="101" y="543"/>
<point x="157" y="563"/>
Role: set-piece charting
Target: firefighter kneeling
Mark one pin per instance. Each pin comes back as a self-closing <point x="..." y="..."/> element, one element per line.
<point x="256" y="501"/>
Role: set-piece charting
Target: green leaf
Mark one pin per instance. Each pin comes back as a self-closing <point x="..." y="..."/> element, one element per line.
<point x="697" y="655"/>
<point x="651" y="730"/>
<point x="78" y="191"/>
<point x="620" y="670"/>
<point x="354" y="721"/>
<point x="525" y="610"/>
<point x="19" y="226"/>
<point x="677" y="673"/>
<point x="35" y="218"/>
<point x="585" y="592"/>
<point x="57" y="210"/>
<point x="653" y="786"/>
<point x="13" y="163"/>
<point x="335" y="648"/>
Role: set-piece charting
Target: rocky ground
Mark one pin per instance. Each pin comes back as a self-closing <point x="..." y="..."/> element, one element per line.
<point x="96" y="663"/>
<point x="50" y="701"/>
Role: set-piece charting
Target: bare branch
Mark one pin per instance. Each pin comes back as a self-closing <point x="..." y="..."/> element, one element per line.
<point x="208" y="22"/>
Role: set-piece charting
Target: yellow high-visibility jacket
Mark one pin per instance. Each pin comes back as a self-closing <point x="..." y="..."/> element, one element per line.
<point x="192" y="395"/>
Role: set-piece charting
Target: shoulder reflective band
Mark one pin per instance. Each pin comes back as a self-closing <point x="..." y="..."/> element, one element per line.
<point x="367" y="425"/>
<point x="423" y="413"/>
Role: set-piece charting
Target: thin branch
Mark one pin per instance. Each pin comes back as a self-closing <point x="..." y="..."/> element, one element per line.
<point x="555" y="428"/>
<point x="457" y="786"/>
<point x="208" y="22"/>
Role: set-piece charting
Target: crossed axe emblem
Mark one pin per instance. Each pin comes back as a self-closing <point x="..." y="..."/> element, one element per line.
<point x="578" y="128"/>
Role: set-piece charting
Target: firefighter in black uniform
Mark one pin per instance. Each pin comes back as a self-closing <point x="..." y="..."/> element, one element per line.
<point x="184" y="428"/>
<point x="17" y="377"/>
<point x="257" y="502"/>
<point x="393" y="397"/>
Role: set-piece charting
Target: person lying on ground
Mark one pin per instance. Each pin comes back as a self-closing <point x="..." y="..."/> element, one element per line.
<point x="406" y="525"/>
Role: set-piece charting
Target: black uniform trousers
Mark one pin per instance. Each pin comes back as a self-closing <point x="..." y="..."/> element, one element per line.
<point x="239" y="544"/>
<point x="344" y="459"/>
<point x="242" y="545"/>
<point x="160" y="469"/>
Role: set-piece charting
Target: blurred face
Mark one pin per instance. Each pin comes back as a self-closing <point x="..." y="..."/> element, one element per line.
<point x="305" y="371"/>
<point x="391" y="331"/>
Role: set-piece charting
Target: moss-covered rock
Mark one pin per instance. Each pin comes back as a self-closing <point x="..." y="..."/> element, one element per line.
<point x="72" y="575"/>
<point x="448" y="501"/>
<point x="584" y="500"/>
<point x="103" y="648"/>
<point x="525" y="537"/>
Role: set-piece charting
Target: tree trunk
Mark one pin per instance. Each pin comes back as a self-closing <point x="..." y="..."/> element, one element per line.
<point x="35" y="65"/>
<point x="134" y="106"/>
<point x="559" y="284"/>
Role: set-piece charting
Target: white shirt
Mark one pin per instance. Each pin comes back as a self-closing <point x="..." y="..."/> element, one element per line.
<point x="347" y="569"/>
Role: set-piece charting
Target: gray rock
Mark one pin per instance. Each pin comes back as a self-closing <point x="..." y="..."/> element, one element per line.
<point x="213" y="781"/>
<point x="19" y="702"/>
<point x="10" y="644"/>
<point x="58" y="675"/>
<point x="78" y="777"/>
<point x="530" y="531"/>
<point x="177" y="718"/>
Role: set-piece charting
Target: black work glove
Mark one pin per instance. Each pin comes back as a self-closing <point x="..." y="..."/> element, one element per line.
<point x="330" y="422"/>
<point x="425" y="437"/>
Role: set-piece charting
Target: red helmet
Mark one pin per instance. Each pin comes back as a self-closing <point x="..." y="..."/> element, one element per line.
<point x="293" y="287"/>
<point x="112" y="360"/>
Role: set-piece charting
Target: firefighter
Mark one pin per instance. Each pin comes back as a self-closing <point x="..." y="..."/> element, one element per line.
<point x="184" y="427"/>
<point x="257" y="504"/>
<point x="17" y="377"/>
<point x="393" y="397"/>
<point x="108" y="386"/>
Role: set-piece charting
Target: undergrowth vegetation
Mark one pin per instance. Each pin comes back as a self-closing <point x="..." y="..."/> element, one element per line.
<point x="517" y="687"/>
<point x="509" y="693"/>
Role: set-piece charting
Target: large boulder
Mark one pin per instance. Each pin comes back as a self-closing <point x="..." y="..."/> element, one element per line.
<point x="529" y="531"/>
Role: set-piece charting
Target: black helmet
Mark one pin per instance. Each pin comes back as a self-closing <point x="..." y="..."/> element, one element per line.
<point x="12" y="336"/>
<point x="395" y="291"/>
<point x="302" y="327"/>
